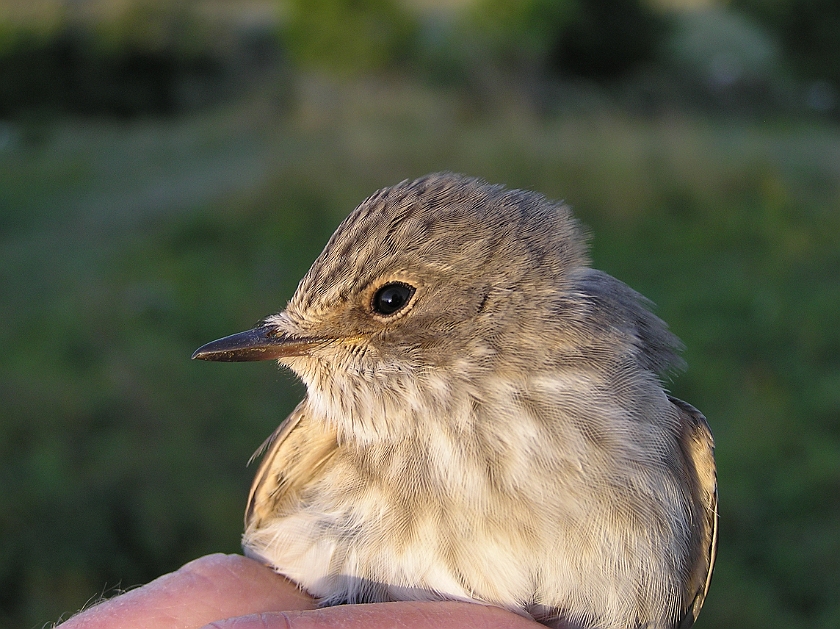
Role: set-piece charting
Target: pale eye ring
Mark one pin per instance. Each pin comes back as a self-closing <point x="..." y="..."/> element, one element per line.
<point x="391" y="298"/>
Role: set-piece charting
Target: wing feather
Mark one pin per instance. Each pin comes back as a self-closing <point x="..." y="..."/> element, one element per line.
<point x="698" y="449"/>
<point x="294" y="453"/>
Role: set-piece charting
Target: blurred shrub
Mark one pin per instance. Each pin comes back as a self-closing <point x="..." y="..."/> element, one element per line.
<point x="523" y="31"/>
<point x="809" y="31"/>
<point x="152" y="57"/>
<point x="597" y="39"/>
<point x="724" y="47"/>
<point x="723" y="58"/>
<point x="349" y="36"/>
<point x="607" y="39"/>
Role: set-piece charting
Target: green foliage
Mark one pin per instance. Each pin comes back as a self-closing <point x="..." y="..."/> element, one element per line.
<point x="596" y="39"/>
<point x="149" y="57"/>
<point x="608" y="38"/>
<point x="125" y="246"/>
<point x="523" y="31"/>
<point x="809" y="30"/>
<point x="722" y="58"/>
<point x="349" y="36"/>
<point x="723" y="47"/>
<point x="153" y="26"/>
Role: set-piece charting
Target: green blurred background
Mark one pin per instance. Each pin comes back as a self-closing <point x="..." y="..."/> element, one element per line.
<point x="168" y="171"/>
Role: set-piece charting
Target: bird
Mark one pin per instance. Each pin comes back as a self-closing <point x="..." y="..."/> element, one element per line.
<point x="485" y="420"/>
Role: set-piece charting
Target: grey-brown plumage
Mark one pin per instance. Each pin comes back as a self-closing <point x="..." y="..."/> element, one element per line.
<point x="484" y="421"/>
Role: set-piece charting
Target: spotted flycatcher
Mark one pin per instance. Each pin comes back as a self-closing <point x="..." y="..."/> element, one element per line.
<point x="484" y="421"/>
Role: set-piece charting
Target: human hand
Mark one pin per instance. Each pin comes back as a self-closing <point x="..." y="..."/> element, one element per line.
<point x="234" y="592"/>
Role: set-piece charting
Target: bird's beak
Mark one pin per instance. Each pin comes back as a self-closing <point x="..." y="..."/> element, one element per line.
<point x="265" y="342"/>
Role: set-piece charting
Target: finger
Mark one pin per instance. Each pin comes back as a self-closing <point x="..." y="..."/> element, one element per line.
<point x="209" y="588"/>
<point x="406" y="615"/>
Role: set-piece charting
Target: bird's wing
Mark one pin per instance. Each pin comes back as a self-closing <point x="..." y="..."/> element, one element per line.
<point x="293" y="455"/>
<point x="698" y="449"/>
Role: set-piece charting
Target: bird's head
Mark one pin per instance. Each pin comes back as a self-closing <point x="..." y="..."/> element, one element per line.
<point x="428" y="284"/>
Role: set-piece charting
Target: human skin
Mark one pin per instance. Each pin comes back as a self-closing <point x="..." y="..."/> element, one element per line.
<point x="234" y="592"/>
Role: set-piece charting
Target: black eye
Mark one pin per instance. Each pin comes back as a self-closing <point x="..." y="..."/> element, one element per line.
<point x="392" y="297"/>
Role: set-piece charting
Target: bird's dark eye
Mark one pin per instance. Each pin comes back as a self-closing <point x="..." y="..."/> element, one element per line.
<point x="391" y="298"/>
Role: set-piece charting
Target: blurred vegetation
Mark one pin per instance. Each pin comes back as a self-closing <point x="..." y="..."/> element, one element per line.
<point x="723" y="60"/>
<point x="597" y="39"/>
<point x="521" y="33"/>
<point x="146" y="57"/>
<point x="809" y="30"/>
<point x="128" y="241"/>
<point x="606" y="39"/>
<point x="349" y="36"/>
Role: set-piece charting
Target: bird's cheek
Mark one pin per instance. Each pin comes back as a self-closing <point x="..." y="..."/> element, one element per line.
<point x="311" y="370"/>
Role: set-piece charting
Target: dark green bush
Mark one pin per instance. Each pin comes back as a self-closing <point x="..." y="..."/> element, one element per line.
<point x="722" y="60"/>
<point x="523" y="31"/>
<point x="597" y="39"/>
<point x="349" y="36"/>
<point x="152" y="58"/>
<point x="809" y="30"/>
<point x="606" y="39"/>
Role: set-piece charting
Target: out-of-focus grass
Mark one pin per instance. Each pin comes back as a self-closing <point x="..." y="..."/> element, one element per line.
<point x="125" y="246"/>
